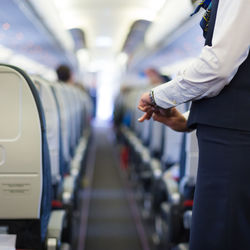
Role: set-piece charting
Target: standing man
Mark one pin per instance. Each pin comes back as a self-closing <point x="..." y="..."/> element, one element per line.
<point x="218" y="83"/>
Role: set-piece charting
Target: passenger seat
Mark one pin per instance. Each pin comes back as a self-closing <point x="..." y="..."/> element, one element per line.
<point x="25" y="174"/>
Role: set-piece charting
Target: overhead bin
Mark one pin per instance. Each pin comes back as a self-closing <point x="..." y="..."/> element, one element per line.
<point x="173" y="14"/>
<point x="47" y="15"/>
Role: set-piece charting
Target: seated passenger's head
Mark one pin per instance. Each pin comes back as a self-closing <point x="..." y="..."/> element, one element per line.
<point x="64" y="73"/>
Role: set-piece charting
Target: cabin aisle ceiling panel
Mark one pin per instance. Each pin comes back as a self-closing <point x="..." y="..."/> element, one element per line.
<point x="20" y="34"/>
<point x="106" y="23"/>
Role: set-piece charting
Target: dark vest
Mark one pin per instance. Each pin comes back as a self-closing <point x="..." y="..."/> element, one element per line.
<point x="231" y="107"/>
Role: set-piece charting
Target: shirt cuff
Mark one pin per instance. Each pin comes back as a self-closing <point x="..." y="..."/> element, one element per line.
<point x="160" y="97"/>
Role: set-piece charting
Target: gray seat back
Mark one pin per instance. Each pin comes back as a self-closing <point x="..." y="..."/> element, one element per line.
<point x="20" y="148"/>
<point x="52" y="125"/>
<point x="65" y="123"/>
<point x="157" y="138"/>
<point x="172" y="143"/>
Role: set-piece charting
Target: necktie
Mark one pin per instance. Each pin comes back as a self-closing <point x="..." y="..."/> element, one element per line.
<point x="207" y="5"/>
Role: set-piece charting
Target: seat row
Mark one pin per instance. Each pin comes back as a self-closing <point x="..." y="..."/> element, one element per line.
<point x="163" y="165"/>
<point x="44" y="136"/>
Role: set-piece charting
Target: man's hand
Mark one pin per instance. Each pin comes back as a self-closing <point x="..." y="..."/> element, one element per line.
<point x="146" y="106"/>
<point x="172" y="118"/>
<point x="145" y="102"/>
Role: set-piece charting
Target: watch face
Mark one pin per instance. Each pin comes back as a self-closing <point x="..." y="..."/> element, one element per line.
<point x="151" y="95"/>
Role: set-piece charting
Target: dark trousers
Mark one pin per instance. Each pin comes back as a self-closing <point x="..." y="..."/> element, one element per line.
<point x="221" y="213"/>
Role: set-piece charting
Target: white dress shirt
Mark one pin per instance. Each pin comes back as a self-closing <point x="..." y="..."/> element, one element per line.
<point x="208" y="74"/>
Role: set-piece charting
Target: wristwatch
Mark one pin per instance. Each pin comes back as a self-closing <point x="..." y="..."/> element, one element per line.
<point x="152" y="99"/>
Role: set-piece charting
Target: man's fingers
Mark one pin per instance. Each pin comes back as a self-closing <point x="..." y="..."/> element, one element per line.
<point x="145" y="100"/>
<point x="144" y="109"/>
<point x="146" y="116"/>
<point x="147" y="108"/>
<point x="158" y="114"/>
<point x="157" y="117"/>
<point x="143" y="118"/>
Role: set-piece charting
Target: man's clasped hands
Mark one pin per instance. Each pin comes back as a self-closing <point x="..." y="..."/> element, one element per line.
<point x="170" y="117"/>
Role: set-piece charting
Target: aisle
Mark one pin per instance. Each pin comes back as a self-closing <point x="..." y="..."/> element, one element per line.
<point x="111" y="225"/>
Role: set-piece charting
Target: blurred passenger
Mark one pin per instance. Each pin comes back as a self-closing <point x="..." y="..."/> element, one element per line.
<point x="80" y="86"/>
<point x="119" y="109"/>
<point x="155" y="77"/>
<point x="64" y="74"/>
<point x="218" y="84"/>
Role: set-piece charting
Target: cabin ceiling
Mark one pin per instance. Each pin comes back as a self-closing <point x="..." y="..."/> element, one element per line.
<point x="106" y="23"/>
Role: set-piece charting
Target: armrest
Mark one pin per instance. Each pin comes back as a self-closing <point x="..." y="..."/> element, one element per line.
<point x="55" y="226"/>
<point x="65" y="246"/>
<point x="68" y="188"/>
<point x="170" y="184"/>
<point x="79" y="154"/>
<point x="182" y="246"/>
<point x="187" y="218"/>
<point x="145" y="155"/>
<point x="155" y="166"/>
<point x="7" y="241"/>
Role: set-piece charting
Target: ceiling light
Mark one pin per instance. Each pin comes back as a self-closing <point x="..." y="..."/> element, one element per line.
<point x="103" y="41"/>
<point x="122" y="58"/>
<point x="83" y="56"/>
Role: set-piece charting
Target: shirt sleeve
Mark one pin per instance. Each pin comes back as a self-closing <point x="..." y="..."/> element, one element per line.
<point x="208" y="74"/>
